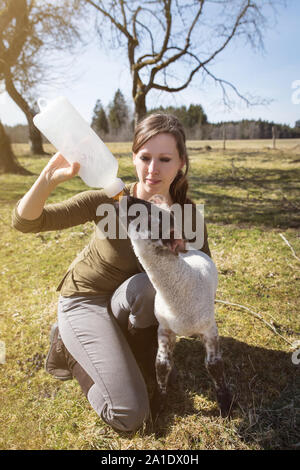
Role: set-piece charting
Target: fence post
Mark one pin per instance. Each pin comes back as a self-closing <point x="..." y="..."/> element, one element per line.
<point x="224" y="137"/>
<point x="274" y="136"/>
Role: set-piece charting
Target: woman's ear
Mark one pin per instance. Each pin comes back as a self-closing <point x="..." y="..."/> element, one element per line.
<point x="134" y="158"/>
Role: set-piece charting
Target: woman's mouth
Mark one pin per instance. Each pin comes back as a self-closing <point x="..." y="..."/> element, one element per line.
<point x="152" y="181"/>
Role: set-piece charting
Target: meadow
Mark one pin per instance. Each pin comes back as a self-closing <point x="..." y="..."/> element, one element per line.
<point x="252" y="209"/>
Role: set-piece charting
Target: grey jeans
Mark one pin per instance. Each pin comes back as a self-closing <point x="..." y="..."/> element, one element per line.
<point x="94" y="336"/>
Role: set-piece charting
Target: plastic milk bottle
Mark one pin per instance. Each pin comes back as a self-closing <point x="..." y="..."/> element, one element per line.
<point x="64" y="127"/>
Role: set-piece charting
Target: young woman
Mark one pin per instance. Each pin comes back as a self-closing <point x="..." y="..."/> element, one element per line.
<point x="106" y="305"/>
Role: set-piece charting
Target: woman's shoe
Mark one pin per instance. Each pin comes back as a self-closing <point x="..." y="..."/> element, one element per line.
<point x="56" y="363"/>
<point x="62" y="365"/>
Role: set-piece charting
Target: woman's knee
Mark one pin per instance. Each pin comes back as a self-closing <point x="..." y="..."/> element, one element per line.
<point x="141" y="294"/>
<point x="126" y="417"/>
<point x="130" y="420"/>
<point x="134" y="299"/>
<point x="139" y="284"/>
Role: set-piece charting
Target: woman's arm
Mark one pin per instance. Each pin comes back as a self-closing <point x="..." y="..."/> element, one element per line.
<point x="31" y="216"/>
<point x="56" y="171"/>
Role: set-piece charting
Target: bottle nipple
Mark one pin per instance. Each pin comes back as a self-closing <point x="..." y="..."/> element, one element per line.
<point x="119" y="196"/>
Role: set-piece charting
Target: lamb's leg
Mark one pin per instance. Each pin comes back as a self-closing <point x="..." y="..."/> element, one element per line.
<point x="215" y="368"/>
<point x="163" y="366"/>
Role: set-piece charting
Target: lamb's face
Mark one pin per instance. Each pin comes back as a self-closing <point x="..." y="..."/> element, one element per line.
<point x="151" y="222"/>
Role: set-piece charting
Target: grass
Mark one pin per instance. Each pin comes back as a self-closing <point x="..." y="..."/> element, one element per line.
<point x="251" y="195"/>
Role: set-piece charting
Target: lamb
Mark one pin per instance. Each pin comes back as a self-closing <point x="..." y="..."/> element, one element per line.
<point x="185" y="284"/>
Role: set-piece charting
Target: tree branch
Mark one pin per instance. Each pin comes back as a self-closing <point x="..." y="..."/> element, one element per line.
<point x="229" y="19"/>
<point x="168" y="17"/>
<point x="290" y="246"/>
<point x="123" y="13"/>
<point x="185" y="51"/>
<point x="151" y="39"/>
<point x="231" y="35"/>
<point x="257" y="315"/>
<point x="112" y="19"/>
<point x="9" y="55"/>
<point x="134" y="21"/>
<point x="182" y="52"/>
<point x="7" y="14"/>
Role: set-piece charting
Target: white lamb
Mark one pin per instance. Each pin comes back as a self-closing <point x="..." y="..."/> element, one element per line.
<point x="185" y="284"/>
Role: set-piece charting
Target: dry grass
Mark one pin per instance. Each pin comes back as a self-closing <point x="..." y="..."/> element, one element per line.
<point x="251" y="195"/>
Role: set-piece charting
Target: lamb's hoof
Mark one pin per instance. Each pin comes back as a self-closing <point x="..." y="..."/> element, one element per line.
<point x="225" y="401"/>
<point x="157" y="404"/>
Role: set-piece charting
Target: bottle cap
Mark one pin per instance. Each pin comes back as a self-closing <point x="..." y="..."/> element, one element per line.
<point x="114" y="188"/>
<point x="42" y="103"/>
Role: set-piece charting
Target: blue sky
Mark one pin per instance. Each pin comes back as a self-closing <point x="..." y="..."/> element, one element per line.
<point x="268" y="75"/>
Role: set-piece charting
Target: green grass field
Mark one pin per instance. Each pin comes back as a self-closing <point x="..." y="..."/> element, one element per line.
<point x="251" y="196"/>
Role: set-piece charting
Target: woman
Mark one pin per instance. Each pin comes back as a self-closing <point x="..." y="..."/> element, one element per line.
<point x="106" y="303"/>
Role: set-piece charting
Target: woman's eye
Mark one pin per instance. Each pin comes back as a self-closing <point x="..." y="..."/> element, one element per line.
<point x="145" y="158"/>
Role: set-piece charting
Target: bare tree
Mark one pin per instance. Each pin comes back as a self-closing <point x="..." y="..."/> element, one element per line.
<point x="28" y="30"/>
<point x="160" y="34"/>
<point x="8" y="161"/>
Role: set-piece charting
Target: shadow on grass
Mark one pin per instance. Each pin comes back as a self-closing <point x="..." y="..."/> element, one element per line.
<point x="238" y="195"/>
<point x="265" y="197"/>
<point x="260" y="212"/>
<point x="12" y="191"/>
<point x="265" y="384"/>
<point x="243" y="177"/>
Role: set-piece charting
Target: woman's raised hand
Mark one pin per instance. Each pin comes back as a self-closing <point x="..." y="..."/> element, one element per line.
<point x="59" y="169"/>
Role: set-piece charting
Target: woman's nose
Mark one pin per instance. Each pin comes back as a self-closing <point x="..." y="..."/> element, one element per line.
<point x="153" y="167"/>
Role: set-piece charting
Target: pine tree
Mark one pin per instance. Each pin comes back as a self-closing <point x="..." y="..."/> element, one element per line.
<point x="118" y="111"/>
<point x="196" y="115"/>
<point x="189" y="118"/>
<point x="99" y="119"/>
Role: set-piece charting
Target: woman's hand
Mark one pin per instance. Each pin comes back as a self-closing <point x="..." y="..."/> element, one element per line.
<point x="59" y="169"/>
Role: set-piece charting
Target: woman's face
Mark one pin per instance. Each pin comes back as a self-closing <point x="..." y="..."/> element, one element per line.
<point x="157" y="163"/>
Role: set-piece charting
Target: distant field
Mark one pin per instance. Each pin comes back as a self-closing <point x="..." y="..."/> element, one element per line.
<point x="251" y="144"/>
<point x="285" y="144"/>
<point x="251" y="196"/>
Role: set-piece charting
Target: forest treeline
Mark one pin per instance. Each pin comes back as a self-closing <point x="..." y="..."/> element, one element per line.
<point x="116" y="124"/>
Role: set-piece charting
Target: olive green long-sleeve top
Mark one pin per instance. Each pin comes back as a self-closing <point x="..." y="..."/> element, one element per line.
<point x="105" y="263"/>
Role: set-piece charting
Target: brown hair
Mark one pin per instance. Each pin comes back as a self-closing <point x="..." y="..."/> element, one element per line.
<point x="169" y="124"/>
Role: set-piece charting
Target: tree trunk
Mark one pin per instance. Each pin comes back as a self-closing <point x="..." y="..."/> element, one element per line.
<point x="35" y="137"/>
<point x="8" y="161"/>
<point x="140" y="107"/>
